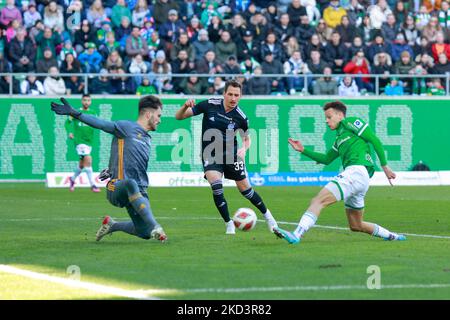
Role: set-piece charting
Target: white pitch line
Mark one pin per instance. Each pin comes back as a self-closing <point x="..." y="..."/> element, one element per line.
<point x="133" y="294"/>
<point x="209" y="218"/>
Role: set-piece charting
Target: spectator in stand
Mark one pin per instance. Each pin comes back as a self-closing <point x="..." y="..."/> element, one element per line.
<point x="272" y="14"/>
<point x="323" y="31"/>
<point x="9" y="13"/>
<point x="432" y="5"/>
<point x="217" y="87"/>
<point x="410" y="31"/>
<point x="248" y="47"/>
<point x="119" y="11"/>
<point x="140" y="12"/>
<point x="123" y="31"/>
<point x="348" y="87"/>
<point x="53" y="84"/>
<point x="189" y="9"/>
<point x="400" y="12"/>
<point x="225" y="47"/>
<point x="161" y="10"/>
<point x="271" y="45"/>
<point x="314" y="44"/>
<point x="215" y="29"/>
<point x="360" y="65"/>
<point x="74" y="85"/>
<point x="378" y="13"/>
<point x="183" y="43"/>
<point x="442" y="66"/>
<point x="312" y="11"/>
<point x="248" y="66"/>
<point x="291" y="46"/>
<point x="357" y="45"/>
<point x="121" y="84"/>
<point x="404" y="66"/>
<point x="210" y="65"/>
<point x="105" y="28"/>
<point x="31" y="86"/>
<point x="440" y="46"/>
<point x="202" y="44"/>
<point x="110" y="45"/>
<point x="366" y="31"/>
<point x="10" y="32"/>
<point x="422" y="17"/>
<point x="96" y="14"/>
<point x="209" y="12"/>
<point x="382" y="65"/>
<point x="155" y="44"/>
<point x="231" y="66"/>
<point x="326" y="85"/>
<point x="170" y="31"/>
<point x="272" y="66"/>
<point x="398" y="46"/>
<point x="378" y="45"/>
<point x="336" y="53"/>
<point x="237" y="28"/>
<point x="333" y="14"/>
<point x="192" y="85"/>
<point x="315" y="64"/>
<point x="31" y="16"/>
<point x="5" y="83"/>
<point x="258" y="85"/>
<point x="114" y="60"/>
<point x="390" y="28"/>
<point x="295" y="10"/>
<point x="193" y="28"/>
<point x="135" y="44"/>
<point x="283" y="29"/>
<point x="90" y="59"/>
<point x="53" y="16"/>
<point x="162" y="68"/>
<point x="146" y="87"/>
<point x="296" y="68"/>
<point x="83" y="36"/>
<point x="356" y="13"/>
<point x="22" y="53"/>
<point x="394" y="88"/>
<point x="259" y="26"/>
<point x="435" y="88"/>
<point x="347" y="31"/>
<point x="101" y="85"/>
<point x="46" y="62"/>
<point x="180" y="66"/>
<point x="304" y="31"/>
<point x="70" y="64"/>
<point x="138" y="66"/>
<point x="432" y="29"/>
<point x="424" y="64"/>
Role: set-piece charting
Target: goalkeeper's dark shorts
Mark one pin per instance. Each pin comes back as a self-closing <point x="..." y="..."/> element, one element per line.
<point x="117" y="194"/>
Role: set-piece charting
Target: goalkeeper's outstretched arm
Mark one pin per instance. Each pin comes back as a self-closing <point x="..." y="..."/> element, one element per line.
<point x="66" y="109"/>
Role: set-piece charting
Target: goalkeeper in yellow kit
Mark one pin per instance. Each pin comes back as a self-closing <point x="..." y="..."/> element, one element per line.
<point x="353" y="137"/>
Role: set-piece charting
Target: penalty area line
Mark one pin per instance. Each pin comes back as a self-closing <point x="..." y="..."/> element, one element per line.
<point x="90" y="286"/>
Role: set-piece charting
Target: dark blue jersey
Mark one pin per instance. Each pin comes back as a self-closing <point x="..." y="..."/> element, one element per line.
<point x="218" y="124"/>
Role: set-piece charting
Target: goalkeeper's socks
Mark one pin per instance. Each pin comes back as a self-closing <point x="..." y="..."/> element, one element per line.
<point x="381" y="232"/>
<point x="219" y="200"/>
<point x="141" y="205"/>
<point x="255" y="199"/>
<point x="307" y="221"/>
<point x="88" y="171"/>
<point x="76" y="173"/>
<point x="127" y="227"/>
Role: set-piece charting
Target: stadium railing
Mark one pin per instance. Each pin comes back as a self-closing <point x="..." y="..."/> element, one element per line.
<point x="306" y="77"/>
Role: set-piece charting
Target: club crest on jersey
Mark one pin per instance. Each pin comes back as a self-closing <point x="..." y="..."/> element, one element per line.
<point x="357" y="124"/>
<point x="231" y="126"/>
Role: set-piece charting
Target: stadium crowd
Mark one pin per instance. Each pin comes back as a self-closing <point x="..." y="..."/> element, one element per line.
<point x="156" y="39"/>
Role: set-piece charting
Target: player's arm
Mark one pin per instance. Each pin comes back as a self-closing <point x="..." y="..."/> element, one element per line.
<point x="66" y="109"/>
<point x="327" y="158"/>
<point x="68" y="125"/>
<point x="369" y="136"/>
<point x="246" y="143"/>
<point x="186" y="110"/>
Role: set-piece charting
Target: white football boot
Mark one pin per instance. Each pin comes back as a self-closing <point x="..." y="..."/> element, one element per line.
<point x="231" y="229"/>
<point x="105" y="228"/>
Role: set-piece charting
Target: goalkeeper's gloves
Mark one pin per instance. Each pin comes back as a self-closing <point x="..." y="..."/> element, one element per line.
<point x="104" y="175"/>
<point x="65" y="109"/>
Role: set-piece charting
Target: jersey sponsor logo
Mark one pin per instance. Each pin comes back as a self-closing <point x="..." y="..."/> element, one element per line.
<point x="225" y="117"/>
<point x="369" y="158"/>
<point x="358" y="124"/>
<point x="215" y="101"/>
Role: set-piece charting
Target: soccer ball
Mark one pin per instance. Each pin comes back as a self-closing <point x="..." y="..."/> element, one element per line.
<point x="245" y="219"/>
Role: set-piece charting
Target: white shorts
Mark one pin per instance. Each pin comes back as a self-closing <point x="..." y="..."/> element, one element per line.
<point x="351" y="185"/>
<point x="83" y="150"/>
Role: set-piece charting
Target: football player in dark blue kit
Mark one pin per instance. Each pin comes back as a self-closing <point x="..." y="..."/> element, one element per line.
<point x="222" y="120"/>
<point x="130" y="152"/>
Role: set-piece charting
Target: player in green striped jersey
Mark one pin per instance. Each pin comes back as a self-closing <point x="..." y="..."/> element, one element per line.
<point x="82" y="136"/>
<point x="352" y="145"/>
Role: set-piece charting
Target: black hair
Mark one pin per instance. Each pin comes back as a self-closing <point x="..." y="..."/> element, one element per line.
<point x="149" y="102"/>
<point x="232" y="83"/>
<point x="85" y="95"/>
<point x="336" y="105"/>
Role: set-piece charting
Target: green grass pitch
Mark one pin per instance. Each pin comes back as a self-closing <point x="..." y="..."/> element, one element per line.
<point x="47" y="230"/>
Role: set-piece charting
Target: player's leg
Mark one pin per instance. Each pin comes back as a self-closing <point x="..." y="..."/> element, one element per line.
<point x="76" y="173"/>
<point x="87" y="167"/>
<point x="324" y="198"/>
<point x="247" y="191"/>
<point x="357" y="224"/>
<point x="214" y="178"/>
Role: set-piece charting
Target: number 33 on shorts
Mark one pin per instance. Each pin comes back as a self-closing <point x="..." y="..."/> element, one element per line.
<point x="239" y="165"/>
